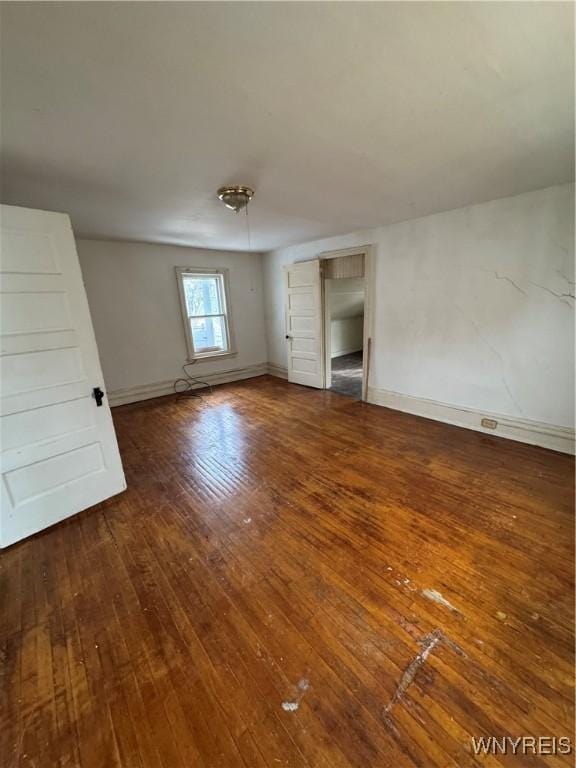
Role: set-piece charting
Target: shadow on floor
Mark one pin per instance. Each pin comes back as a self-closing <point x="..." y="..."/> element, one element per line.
<point x="347" y="375"/>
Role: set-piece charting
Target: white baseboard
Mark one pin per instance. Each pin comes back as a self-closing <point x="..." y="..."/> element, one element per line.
<point x="160" y="388"/>
<point x="277" y="370"/>
<point x="342" y="352"/>
<point x="525" y="431"/>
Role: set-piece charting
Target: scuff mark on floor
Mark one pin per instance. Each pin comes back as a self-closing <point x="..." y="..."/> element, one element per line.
<point x="292" y="706"/>
<point x="438" y="597"/>
<point x="428" y="643"/>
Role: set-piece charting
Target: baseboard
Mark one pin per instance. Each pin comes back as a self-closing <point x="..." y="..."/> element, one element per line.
<point x="525" y="431"/>
<point x="343" y="352"/>
<point x="160" y="388"/>
<point x="278" y="371"/>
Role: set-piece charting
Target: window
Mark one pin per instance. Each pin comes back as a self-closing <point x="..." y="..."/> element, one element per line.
<point x="206" y="309"/>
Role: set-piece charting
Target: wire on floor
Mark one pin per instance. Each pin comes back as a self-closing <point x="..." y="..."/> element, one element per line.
<point x="190" y="386"/>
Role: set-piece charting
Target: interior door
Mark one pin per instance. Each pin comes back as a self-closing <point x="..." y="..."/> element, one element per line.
<point x="59" y="451"/>
<point x="304" y="323"/>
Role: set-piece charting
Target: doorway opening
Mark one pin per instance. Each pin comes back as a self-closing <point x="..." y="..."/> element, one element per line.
<point x="344" y="335"/>
<point x="346" y="340"/>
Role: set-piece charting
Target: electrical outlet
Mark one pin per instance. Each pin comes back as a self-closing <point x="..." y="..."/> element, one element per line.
<point x="489" y="423"/>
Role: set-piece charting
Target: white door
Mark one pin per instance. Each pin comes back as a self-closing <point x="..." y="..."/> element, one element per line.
<point x="304" y="323"/>
<point x="59" y="450"/>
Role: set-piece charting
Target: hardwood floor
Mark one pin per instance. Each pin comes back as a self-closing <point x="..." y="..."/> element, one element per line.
<point x="295" y="578"/>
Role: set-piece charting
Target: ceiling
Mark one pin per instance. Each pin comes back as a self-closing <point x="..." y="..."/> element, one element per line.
<point x="342" y="116"/>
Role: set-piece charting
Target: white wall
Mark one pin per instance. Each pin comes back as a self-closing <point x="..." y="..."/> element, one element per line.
<point x="346" y="335"/>
<point x="133" y="297"/>
<point x="471" y="305"/>
<point x="345" y="306"/>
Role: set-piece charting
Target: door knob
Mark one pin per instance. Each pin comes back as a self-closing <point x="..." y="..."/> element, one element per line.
<point x="98" y="395"/>
<point x="288" y="336"/>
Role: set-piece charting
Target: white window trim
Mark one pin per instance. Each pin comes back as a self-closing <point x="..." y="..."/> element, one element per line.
<point x="217" y="354"/>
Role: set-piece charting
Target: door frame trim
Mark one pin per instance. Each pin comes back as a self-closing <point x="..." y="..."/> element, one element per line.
<point x="367" y="335"/>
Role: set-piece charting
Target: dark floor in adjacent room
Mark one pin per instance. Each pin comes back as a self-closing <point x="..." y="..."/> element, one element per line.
<point x="295" y="578"/>
<point x="347" y="375"/>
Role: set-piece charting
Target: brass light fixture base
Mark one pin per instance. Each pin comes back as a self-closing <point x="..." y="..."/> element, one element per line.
<point x="236" y="197"/>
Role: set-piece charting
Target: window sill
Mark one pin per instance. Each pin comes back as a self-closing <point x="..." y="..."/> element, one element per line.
<point x="211" y="356"/>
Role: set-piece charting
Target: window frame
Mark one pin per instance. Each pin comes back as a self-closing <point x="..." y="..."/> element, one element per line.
<point x="223" y="274"/>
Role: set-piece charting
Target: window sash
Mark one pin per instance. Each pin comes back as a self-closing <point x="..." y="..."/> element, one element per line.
<point x="195" y="317"/>
<point x="206" y="350"/>
<point x="219" y="278"/>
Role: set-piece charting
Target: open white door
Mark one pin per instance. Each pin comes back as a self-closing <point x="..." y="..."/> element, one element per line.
<point x="304" y="323"/>
<point x="59" y="450"/>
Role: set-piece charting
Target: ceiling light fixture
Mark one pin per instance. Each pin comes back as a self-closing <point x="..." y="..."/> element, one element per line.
<point x="236" y="198"/>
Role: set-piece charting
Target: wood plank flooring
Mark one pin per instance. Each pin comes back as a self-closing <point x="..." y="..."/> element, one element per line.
<point x="294" y="578"/>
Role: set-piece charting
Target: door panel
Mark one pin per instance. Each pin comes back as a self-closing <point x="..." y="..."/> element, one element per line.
<point x="304" y="323"/>
<point x="24" y="428"/>
<point x="59" y="450"/>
